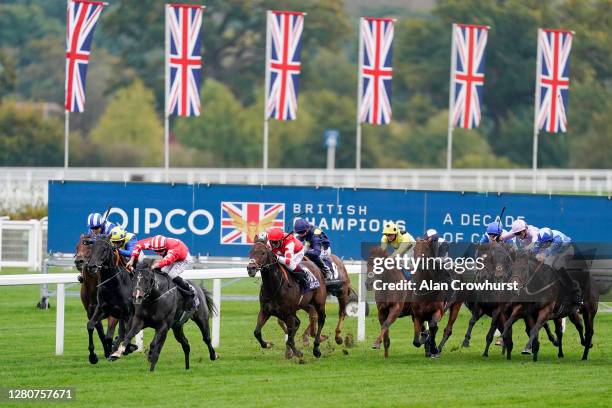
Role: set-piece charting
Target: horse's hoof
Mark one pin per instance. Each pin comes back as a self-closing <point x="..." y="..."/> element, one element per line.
<point x="428" y="354"/>
<point x="338" y="340"/>
<point x="465" y="344"/>
<point x="316" y="353"/>
<point x="214" y="357"/>
<point x="322" y="338"/>
<point x="298" y="353"/>
<point x="131" y="348"/>
<point x="526" y="351"/>
<point x="560" y="355"/>
<point x="113" y="358"/>
<point x="416" y="344"/>
<point x="288" y="354"/>
<point x="93" y="359"/>
<point x="435" y="356"/>
<point x="485" y="355"/>
<point x="376" y="346"/>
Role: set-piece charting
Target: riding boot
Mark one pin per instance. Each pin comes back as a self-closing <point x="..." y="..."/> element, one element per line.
<point x="301" y="277"/>
<point x="187" y="293"/>
<point x="327" y="273"/>
<point x="571" y="286"/>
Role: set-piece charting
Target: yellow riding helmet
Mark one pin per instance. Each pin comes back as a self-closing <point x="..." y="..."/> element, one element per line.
<point x="390" y="228"/>
<point x="117" y="234"/>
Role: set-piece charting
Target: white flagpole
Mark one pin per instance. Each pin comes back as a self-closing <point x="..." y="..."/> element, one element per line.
<point x="267" y="85"/>
<point x="66" y="137"/>
<point x="167" y="90"/>
<point x="451" y="102"/>
<point x="535" y="116"/>
<point x="359" y="99"/>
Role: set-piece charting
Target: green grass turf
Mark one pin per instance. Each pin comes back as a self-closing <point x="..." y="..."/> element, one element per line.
<point x="246" y="375"/>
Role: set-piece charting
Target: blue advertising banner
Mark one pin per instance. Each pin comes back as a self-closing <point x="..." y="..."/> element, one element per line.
<point x="221" y="220"/>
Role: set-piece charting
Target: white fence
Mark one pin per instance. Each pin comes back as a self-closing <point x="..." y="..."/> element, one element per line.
<point x="22" y="243"/>
<point x="20" y="185"/>
<point x="61" y="279"/>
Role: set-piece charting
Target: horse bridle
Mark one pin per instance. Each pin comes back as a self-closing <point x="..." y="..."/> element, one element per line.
<point x="112" y="248"/>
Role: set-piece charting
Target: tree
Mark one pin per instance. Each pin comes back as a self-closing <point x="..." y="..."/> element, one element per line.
<point x="129" y="132"/>
<point x="222" y="133"/>
<point x="27" y="139"/>
<point x="7" y="75"/>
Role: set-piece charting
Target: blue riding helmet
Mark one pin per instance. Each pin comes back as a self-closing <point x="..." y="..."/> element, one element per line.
<point x="95" y="220"/>
<point x="301" y="226"/>
<point x="545" y="235"/>
<point x="494" y="229"/>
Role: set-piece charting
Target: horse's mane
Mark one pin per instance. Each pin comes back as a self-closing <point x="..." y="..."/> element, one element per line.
<point x="144" y="265"/>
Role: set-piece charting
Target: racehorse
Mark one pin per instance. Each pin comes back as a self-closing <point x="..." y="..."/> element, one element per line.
<point x="89" y="298"/>
<point x="391" y="304"/>
<point x="427" y="305"/>
<point x="281" y="296"/>
<point x="159" y="305"/>
<point x="541" y="299"/>
<point x="114" y="289"/>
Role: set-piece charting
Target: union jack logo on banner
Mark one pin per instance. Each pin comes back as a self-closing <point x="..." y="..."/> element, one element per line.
<point x="183" y="59"/>
<point x="81" y="19"/>
<point x="283" y="63"/>
<point x="553" y="79"/>
<point x="469" y="43"/>
<point x="376" y="70"/>
<point x="242" y="221"/>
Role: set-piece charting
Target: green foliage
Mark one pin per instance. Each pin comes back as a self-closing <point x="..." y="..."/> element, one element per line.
<point x="27" y="139"/>
<point x="129" y="132"/>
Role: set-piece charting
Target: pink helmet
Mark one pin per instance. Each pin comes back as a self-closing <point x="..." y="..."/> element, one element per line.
<point x="518" y="226"/>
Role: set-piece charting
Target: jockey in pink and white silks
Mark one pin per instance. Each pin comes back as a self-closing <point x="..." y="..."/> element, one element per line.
<point x="525" y="235"/>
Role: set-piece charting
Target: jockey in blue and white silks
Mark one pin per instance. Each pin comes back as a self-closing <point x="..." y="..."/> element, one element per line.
<point x="98" y="225"/>
<point x="550" y="242"/>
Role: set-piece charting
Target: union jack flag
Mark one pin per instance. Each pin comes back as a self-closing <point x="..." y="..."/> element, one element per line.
<point x="242" y="221"/>
<point x="183" y="59"/>
<point x="81" y="19"/>
<point x="375" y="72"/>
<point x="552" y="82"/>
<point x="284" y="42"/>
<point x="467" y="73"/>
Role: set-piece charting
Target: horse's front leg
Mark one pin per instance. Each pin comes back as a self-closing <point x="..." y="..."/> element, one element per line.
<point x="262" y="318"/>
<point x="391" y="317"/>
<point x="111" y="324"/>
<point x="476" y="315"/>
<point x="491" y="333"/>
<point x="136" y="325"/>
<point x="156" y="345"/>
<point x="448" y="330"/>
<point x="342" y="302"/>
<point x="293" y="323"/>
<point x="535" y="329"/>
<point x="91" y="325"/>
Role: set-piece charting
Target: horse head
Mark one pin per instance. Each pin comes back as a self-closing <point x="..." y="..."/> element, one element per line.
<point x="260" y="257"/>
<point x="375" y="259"/>
<point x="144" y="281"/>
<point x="101" y="255"/>
<point x="83" y="251"/>
<point x="497" y="259"/>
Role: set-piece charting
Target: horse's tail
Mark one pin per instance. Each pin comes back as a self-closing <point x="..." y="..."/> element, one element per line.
<point x="210" y="303"/>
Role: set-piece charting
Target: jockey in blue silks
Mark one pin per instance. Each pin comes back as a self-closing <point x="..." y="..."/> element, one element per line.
<point x="318" y="245"/>
<point x="554" y="248"/>
<point x="495" y="233"/>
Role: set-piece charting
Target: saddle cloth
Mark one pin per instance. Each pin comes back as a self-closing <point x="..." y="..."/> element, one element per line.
<point x="313" y="282"/>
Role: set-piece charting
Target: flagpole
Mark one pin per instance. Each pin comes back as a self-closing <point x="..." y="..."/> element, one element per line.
<point x="359" y="100"/>
<point x="167" y="91"/>
<point x="535" y="117"/>
<point x="451" y="102"/>
<point x="267" y="85"/>
<point x="66" y="137"/>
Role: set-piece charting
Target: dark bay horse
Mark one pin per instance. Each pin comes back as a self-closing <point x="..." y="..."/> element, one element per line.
<point x="89" y="298"/>
<point x="427" y="305"/>
<point x="159" y="305"/>
<point x="342" y="293"/>
<point x="280" y="296"/>
<point x="114" y="290"/>
<point x="540" y="299"/>
<point x="391" y="304"/>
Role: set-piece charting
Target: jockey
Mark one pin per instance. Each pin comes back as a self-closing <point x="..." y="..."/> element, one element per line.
<point x="124" y="241"/>
<point x="440" y="246"/>
<point x="401" y="242"/>
<point x="554" y="248"/>
<point x="289" y="251"/>
<point x="495" y="233"/>
<point x="525" y="235"/>
<point x="98" y="225"/>
<point x="175" y="259"/>
<point x="317" y="245"/>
